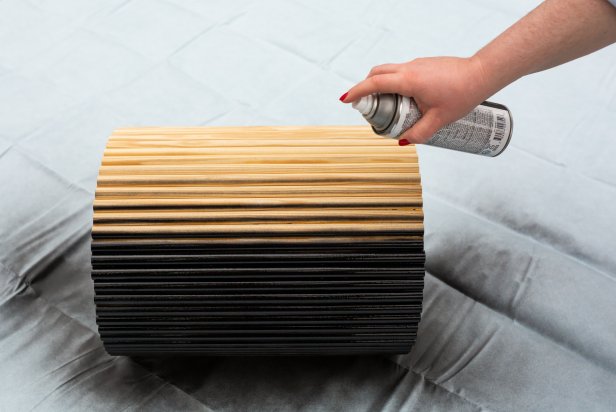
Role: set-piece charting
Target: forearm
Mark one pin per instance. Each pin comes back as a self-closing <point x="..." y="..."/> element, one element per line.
<point x="556" y="32"/>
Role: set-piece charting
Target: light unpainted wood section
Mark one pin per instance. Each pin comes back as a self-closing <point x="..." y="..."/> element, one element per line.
<point x="256" y="240"/>
<point x="277" y="180"/>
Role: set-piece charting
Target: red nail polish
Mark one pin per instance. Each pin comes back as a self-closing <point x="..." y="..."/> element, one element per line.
<point x="403" y="142"/>
<point x="344" y="97"/>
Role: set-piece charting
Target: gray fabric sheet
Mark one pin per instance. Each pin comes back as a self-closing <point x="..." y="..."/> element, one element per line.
<point x="520" y="296"/>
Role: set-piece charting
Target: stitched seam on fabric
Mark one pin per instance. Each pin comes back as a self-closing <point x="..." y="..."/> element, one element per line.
<point x="540" y="158"/>
<point x="7" y="148"/>
<point x="573" y="170"/>
<point x="547" y="337"/>
<point x="18" y="279"/>
<point x="411" y="370"/>
<point x="147" y="398"/>
<point x="51" y="170"/>
<point x="466" y="362"/>
<point x="63" y="385"/>
<point x="73" y="239"/>
<point x="45" y="301"/>
<point x="522" y="234"/>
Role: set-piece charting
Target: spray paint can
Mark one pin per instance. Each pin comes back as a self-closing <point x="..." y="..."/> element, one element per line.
<point x="485" y="131"/>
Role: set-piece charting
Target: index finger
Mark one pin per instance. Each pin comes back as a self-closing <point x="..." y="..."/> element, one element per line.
<point x="381" y="83"/>
<point x="383" y="69"/>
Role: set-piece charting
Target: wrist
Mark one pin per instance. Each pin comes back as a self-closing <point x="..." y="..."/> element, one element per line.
<point x="484" y="80"/>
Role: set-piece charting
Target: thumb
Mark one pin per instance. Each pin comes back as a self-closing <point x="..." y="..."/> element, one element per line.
<point x="423" y="130"/>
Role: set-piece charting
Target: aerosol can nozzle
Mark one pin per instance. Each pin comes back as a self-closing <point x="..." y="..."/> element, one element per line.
<point x="379" y="110"/>
<point x="365" y="105"/>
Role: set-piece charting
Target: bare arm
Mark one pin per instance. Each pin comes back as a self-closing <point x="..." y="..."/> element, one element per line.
<point x="556" y="32"/>
<point x="447" y="88"/>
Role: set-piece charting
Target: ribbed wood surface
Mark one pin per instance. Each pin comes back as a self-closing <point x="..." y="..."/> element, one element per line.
<point x="257" y="240"/>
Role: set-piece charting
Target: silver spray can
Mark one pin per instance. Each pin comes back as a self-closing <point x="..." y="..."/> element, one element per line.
<point x="485" y="131"/>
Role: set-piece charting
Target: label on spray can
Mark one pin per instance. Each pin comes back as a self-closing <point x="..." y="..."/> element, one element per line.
<point x="485" y="131"/>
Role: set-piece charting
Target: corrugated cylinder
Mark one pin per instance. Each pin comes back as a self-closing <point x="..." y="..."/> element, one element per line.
<point x="257" y="241"/>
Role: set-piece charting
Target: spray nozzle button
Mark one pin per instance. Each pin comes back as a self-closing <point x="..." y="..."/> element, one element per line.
<point x="364" y="105"/>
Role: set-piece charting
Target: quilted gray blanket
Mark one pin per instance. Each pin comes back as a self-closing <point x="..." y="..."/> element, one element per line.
<point x="520" y="296"/>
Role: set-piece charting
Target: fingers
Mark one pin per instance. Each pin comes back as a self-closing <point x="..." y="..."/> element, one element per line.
<point x="380" y="83"/>
<point x="383" y="69"/>
<point x="421" y="131"/>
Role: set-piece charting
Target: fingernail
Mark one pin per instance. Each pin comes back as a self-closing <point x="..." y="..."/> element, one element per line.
<point x="403" y="142"/>
<point x="344" y="97"/>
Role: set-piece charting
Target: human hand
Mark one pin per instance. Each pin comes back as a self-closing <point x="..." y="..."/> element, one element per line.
<point x="444" y="88"/>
